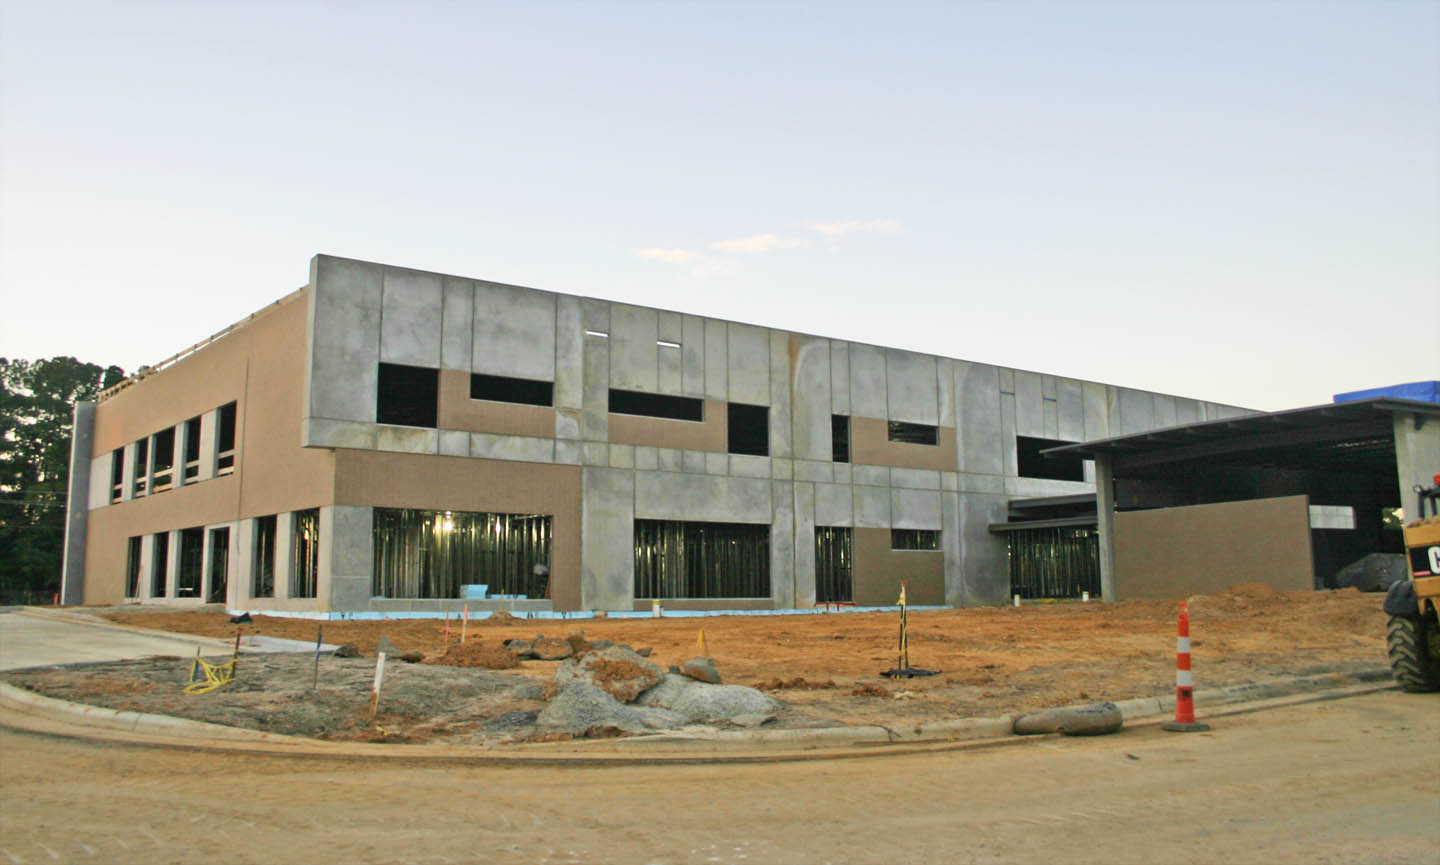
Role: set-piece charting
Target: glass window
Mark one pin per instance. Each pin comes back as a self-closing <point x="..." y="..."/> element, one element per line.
<point x="225" y="439"/>
<point x="159" y="565"/>
<point x="142" y="470"/>
<point x="748" y="429"/>
<point x="305" y="553"/>
<point x="219" y="565"/>
<point x="132" y="568"/>
<point x="117" y="477"/>
<point x="1031" y="463"/>
<point x="191" y="563"/>
<point x="840" y="438"/>
<point x="164" y="457"/>
<point x="191" y="457"/>
<point x="262" y="584"/>
<point x="914" y="539"/>
<point x="914" y="433"/>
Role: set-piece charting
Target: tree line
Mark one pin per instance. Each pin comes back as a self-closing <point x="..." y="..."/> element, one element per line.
<point x="37" y="400"/>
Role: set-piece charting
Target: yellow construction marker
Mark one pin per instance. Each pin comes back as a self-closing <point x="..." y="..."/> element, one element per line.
<point x="700" y="645"/>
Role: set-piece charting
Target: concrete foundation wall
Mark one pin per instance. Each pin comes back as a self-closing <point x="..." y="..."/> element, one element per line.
<point x="1172" y="552"/>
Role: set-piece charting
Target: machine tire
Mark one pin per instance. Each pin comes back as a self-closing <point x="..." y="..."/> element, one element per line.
<point x="1410" y="658"/>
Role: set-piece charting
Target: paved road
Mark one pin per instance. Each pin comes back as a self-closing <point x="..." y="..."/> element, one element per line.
<point x="1344" y="781"/>
<point x="28" y="640"/>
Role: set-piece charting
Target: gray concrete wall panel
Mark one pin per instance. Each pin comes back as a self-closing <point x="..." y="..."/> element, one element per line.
<point x="671" y="327"/>
<point x="409" y="440"/>
<point x="1186" y="410"/>
<point x="410" y="320"/>
<point x="607" y="539"/>
<point x="78" y="495"/>
<point x="814" y="471"/>
<point x="985" y="571"/>
<point x="915" y="479"/>
<point x="457" y="336"/>
<point x="344" y="339"/>
<point x="782" y="469"/>
<point x="950" y="543"/>
<point x="839" y="377"/>
<point x="595" y="315"/>
<point x="670" y="459"/>
<point x="320" y="432"/>
<point x="717" y="464"/>
<point x="1007" y="379"/>
<point x="1052" y="418"/>
<point x="914" y="509"/>
<point x="872" y="507"/>
<point x="875" y="476"/>
<point x="1029" y="405"/>
<point x="514" y="331"/>
<point x="568" y="452"/>
<point x="622" y="456"/>
<point x="702" y="498"/>
<point x="634" y="356"/>
<point x="1137" y="410"/>
<point x="945" y="386"/>
<point x="781" y="409"/>
<point x="671" y="370"/>
<point x="569" y="357"/>
<point x="834" y="505"/>
<point x="1165" y="411"/>
<point x="692" y="355"/>
<point x="595" y="454"/>
<point x="867" y="382"/>
<point x="647" y="458"/>
<point x="595" y="391"/>
<point x="747" y="466"/>
<point x="911" y="386"/>
<point x="980" y="437"/>
<point x="1097" y="411"/>
<point x="749" y="363"/>
<point x="782" y="545"/>
<point x="717" y="363"/>
<point x="519" y="448"/>
<point x="1007" y="433"/>
<point x="804" y="544"/>
<point x="1070" y="398"/>
<point x="454" y="443"/>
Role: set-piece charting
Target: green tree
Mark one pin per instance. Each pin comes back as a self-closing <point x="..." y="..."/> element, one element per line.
<point x="37" y="399"/>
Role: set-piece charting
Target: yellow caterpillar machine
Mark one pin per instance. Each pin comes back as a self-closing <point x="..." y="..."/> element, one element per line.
<point x="1413" y="635"/>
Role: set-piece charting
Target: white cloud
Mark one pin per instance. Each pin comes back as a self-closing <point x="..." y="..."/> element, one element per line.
<point x="852" y="226"/>
<point x="673" y="256"/>
<point x="709" y="268"/>
<point x="758" y="243"/>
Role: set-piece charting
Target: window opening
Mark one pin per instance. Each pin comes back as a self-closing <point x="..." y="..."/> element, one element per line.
<point x="749" y="429"/>
<point x="600" y="333"/>
<point x="159" y="564"/>
<point x="262" y="584"/>
<point x="191" y="563"/>
<point x="219" y="565"/>
<point x="164" y="458"/>
<point x="923" y="540"/>
<point x="701" y="560"/>
<point x="190" y="458"/>
<point x="840" y="438"/>
<point x="117" y="477"/>
<point x="656" y="405"/>
<point x="132" y="568"/>
<point x="834" y="562"/>
<point x="432" y="554"/>
<point x="914" y="433"/>
<point x="499" y="388"/>
<point x="665" y="343"/>
<point x="1060" y="467"/>
<point x="407" y="395"/>
<point x="304" y="553"/>
<point x="225" y="439"/>
<point x="142" y="471"/>
<point x="1054" y="562"/>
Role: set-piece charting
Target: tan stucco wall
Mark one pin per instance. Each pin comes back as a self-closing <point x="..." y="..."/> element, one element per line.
<point x="870" y="445"/>
<point x="456" y="410"/>
<point x="1175" y="552"/>
<point x="711" y="434"/>
<point x="878" y="571"/>
<point x="393" y="480"/>
<point x="261" y="367"/>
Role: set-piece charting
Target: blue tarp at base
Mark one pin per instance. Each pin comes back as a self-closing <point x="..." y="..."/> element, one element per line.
<point x="1421" y="391"/>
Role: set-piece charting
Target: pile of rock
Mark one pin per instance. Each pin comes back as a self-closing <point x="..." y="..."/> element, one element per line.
<point x="574" y="644"/>
<point x="612" y="690"/>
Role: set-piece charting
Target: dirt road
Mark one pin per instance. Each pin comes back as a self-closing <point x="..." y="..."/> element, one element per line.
<point x="1352" y="781"/>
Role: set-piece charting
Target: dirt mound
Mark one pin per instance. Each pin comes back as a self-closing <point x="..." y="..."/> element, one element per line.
<point x="799" y="683"/>
<point x="1257" y="591"/>
<point x="475" y="654"/>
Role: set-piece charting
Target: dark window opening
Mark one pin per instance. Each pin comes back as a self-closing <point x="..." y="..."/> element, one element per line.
<point x="225" y="439"/>
<point x="191" y="563"/>
<point x="914" y="433"/>
<point x="749" y="429"/>
<point x="834" y="564"/>
<point x="159" y="565"/>
<point x="219" y="565"/>
<point x="304" y="553"/>
<point x="117" y="477"/>
<point x="142" y="470"/>
<point x="407" y="395"/>
<point x="499" y="388"/>
<point x="190" y="458"/>
<point x="433" y="554"/>
<point x="701" y="560"/>
<point x="262" y="583"/>
<point x="924" y="540"/>
<point x="1032" y="464"/>
<point x="656" y="405"/>
<point x="840" y="438"/>
<point x="1054" y="562"/>
<point x="132" y="568"/>
<point x="164" y="457"/>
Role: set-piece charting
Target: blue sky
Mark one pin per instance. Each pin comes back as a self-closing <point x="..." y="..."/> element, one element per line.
<point x="1232" y="201"/>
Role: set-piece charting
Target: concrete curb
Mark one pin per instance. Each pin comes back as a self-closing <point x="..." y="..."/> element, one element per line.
<point x="689" y="745"/>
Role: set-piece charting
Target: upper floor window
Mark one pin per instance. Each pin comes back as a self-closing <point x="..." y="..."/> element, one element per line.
<point x="1031" y="463"/>
<point x="407" y="395"/>
<point x="914" y="433"/>
<point x="656" y="405"/>
<point x="225" y="439"/>
<point x="840" y="438"/>
<point x="749" y="429"/>
<point x="190" y="457"/>
<point x="117" y="477"/>
<point x="162" y="475"/>
<point x="499" y="388"/>
<point x="142" y="467"/>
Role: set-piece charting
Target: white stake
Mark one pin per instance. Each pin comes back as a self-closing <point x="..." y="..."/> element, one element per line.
<point x="379" y="678"/>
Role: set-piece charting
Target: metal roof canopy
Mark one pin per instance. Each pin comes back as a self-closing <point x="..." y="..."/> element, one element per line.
<point x="1346" y="437"/>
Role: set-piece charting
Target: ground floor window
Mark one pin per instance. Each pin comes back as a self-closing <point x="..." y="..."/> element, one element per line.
<point x="219" y="564"/>
<point x="262" y="574"/>
<point x="159" y="565"/>
<point x="191" y="564"/>
<point x="431" y="554"/>
<point x="132" y="568"/>
<point x="701" y="560"/>
<point x="304" y="553"/>
<point x="834" y="565"/>
<point x="1056" y="562"/>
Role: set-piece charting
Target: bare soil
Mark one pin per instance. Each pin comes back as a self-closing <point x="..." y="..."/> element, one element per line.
<point x="826" y="668"/>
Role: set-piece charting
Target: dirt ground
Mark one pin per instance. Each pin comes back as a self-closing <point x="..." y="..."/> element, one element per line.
<point x="825" y="668"/>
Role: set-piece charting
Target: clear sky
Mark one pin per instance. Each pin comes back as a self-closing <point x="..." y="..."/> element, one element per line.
<point x="1233" y="201"/>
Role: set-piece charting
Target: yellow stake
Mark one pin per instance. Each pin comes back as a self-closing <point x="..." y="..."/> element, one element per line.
<point x="700" y="645"/>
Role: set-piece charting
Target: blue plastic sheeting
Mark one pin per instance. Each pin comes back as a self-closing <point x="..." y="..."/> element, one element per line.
<point x="373" y="616"/>
<point x="1421" y="391"/>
